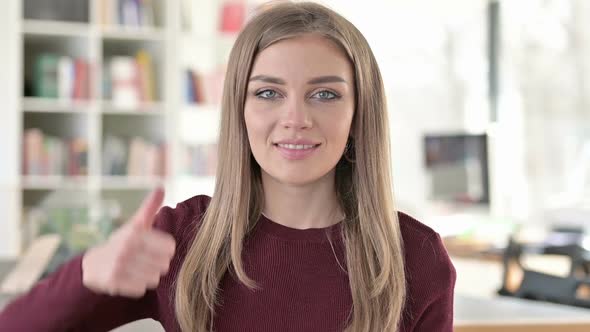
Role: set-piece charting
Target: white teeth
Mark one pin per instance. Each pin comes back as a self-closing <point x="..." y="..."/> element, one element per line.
<point x="296" y="146"/>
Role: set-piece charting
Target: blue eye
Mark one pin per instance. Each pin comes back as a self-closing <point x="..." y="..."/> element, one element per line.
<point x="324" y="95"/>
<point x="266" y="94"/>
<point x="327" y="95"/>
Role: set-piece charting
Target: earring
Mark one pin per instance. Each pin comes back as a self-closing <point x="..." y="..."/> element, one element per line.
<point x="349" y="153"/>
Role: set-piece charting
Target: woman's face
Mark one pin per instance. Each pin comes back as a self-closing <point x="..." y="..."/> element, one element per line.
<point x="299" y="108"/>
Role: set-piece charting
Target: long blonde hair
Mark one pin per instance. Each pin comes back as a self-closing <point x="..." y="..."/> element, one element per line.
<point x="374" y="248"/>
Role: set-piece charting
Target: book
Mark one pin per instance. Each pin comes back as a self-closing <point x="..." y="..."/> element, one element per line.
<point x="54" y="156"/>
<point x="146" y="13"/>
<point x="114" y="157"/>
<point x="136" y="161"/>
<point x="77" y="157"/>
<point x="145" y="75"/>
<point x="48" y="155"/>
<point x="81" y="80"/>
<point x="233" y="14"/>
<point x="45" y="81"/>
<point x="190" y="87"/>
<point x="65" y="78"/>
<point x="204" y="88"/>
<point x="136" y="157"/>
<point x="124" y="83"/>
<point x="60" y="76"/>
<point x="33" y="140"/>
<point x="105" y="12"/>
<point x="129" y="13"/>
<point x="198" y="86"/>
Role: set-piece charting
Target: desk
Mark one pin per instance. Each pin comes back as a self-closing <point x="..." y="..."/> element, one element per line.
<point x="478" y="309"/>
<point x="505" y="314"/>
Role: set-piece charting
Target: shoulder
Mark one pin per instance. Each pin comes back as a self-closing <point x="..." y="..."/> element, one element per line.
<point x="429" y="270"/>
<point x="182" y="219"/>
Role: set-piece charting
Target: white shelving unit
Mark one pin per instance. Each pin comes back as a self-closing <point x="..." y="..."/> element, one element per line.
<point x="97" y="117"/>
<point x="173" y="47"/>
<point x="204" y="49"/>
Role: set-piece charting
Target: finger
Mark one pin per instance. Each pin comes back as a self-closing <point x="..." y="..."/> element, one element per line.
<point x="143" y="274"/>
<point x="144" y="216"/>
<point x="148" y="263"/>
<point x="131" y="288"/>
<point x="157" y="243"/>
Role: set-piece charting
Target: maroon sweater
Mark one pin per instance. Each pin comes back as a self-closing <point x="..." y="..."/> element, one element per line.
<point x="303" y="287"/>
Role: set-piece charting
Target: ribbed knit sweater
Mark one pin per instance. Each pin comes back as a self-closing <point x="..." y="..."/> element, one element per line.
<point x="304" y="287"/>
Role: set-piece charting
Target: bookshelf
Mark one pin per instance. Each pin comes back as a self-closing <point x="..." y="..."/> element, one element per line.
<point x="206" y="34"/>
<point x="181" y="35"/>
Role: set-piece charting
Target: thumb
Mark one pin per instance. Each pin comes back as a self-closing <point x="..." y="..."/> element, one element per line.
<point x="145" y="215"/>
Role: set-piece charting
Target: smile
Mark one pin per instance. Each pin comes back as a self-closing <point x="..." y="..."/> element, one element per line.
<point x="296" y="151"/>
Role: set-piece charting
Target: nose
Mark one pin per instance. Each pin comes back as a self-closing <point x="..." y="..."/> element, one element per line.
<point x="296" y="115"/>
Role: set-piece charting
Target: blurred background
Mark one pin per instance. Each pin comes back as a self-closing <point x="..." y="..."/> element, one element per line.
<point x="489" y="110"/>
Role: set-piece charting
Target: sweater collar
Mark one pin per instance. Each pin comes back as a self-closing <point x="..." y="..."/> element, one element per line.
<point x="275" y="229"/>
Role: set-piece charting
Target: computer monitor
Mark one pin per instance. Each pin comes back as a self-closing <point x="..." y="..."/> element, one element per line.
<point x="457" y="165"/>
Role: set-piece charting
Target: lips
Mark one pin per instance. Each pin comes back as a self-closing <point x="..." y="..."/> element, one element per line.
<point x="297" y="142"/>
<point x="296" y="154"/>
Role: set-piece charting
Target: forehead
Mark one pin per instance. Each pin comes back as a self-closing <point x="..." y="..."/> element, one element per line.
<point x="303" y="56"/>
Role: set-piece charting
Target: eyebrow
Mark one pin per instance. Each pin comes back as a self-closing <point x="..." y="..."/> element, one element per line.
<point x="315" y="80"/>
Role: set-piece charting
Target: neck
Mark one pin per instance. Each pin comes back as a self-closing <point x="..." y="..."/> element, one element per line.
<point x="313" y="205"/>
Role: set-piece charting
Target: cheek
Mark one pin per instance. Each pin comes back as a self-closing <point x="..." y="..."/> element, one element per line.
<point x="337" y="128"/>
<point x="257" y="127"/>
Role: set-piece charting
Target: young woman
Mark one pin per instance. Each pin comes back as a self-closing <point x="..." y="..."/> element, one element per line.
<point x="301" y="233"/>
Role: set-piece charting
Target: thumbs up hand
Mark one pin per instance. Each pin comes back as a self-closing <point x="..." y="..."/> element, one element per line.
<point x="134" y="257"/>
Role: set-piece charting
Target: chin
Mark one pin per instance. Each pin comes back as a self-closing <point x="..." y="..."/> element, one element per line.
<point x="296" y="177"/>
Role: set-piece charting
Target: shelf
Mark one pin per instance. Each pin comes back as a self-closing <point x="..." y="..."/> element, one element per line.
<point x="159" y="122"/>
<point x="53" y="182"/>
<point x="55" y="28"/>
<point x="149" y="108"/>
<point x="53" y="105"/>
<point x="133" y="33"/>
<point x="131" y="182"/>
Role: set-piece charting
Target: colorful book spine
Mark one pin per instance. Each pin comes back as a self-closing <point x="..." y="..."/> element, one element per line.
<point x="132" y="80"/>
<point x="124" y="85"/>
<point x="233" y="14"/>
<point x="133" y="13"/>
<point x="129" y="13"/>
<point x="145" y="74"/>
<point x="66" y="74"/>
<point x="45" y="76"/>
<point x="136" y="157"/>
<point x="60" y="77"/>
<point x="81" y="80"/>
<point x="48" y="155"/>
<point x="204" y="88"/>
